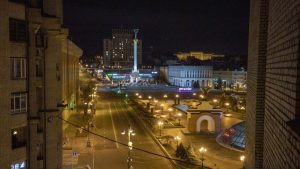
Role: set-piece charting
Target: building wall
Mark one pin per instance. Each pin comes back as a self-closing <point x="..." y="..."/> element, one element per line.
<point x="32" y="135"/>
<point x="232" y="78"/>
<point x="185" y="76"/>
<point x="256" y="84"/>
<point x="272" y="142"/>
<point x="118" y="51"/>
<point x="8" y="51"/>
<point x="70" y="76"/>
<point x="281" y="143"/>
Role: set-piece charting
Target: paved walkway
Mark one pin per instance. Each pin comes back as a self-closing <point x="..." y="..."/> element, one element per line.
<point x="216" y="156"/>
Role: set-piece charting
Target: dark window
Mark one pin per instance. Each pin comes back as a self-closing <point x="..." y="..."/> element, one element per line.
<point x="17" y="30"/>
<point x="18" y="137"/>
<point x="18" y="1"/>
<point x="38" y="68"/>
<point x="39" y="40"/>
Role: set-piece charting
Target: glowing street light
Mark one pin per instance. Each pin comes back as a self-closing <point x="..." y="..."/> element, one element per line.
<point x="179" y="119"/>
<point x="160" y="125"/>
<point x="149" y="97"/>
<point x="177" y="96"/>
<point x="177" y="138"/>
<point x="140" y="96"/>
<point x="202" y="151"/>
<point x="165" y="97"/>
<point x="227" y="106"/>
<point x="215" y="100"/>
<point x="194" y="94"/>
<point x="130" y="133"/>
<point x="242" y="158"/>
<point x="201" y="96"/>
<point x="242" y="108"/>
<point x="136" y="94"/>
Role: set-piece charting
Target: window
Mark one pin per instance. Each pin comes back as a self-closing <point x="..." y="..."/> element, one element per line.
<point x="19" y="68"/>
<point x="18" y="102"/>
<point x="19" y="165"/>
<point x="18" y="137"/>
<point x="38" y="68"/>
<point x="18" y="1"/>
<point x="17" y="30"/>
<point x="40" y="40"/>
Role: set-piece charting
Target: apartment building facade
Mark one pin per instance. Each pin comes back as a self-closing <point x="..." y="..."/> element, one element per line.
<point x="32" y="81"/>
<point x="273" y="85"/>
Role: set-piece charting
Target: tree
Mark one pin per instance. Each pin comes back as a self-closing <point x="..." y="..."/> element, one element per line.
<point x="219" y="83"/>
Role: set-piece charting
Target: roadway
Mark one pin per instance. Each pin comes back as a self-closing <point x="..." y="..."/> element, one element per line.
<point x="111" y="118"/>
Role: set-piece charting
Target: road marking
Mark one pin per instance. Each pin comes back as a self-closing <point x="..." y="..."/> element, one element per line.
<point x="113" y="124"/>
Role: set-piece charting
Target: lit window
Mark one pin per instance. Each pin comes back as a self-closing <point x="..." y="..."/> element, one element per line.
<point x="19" y="165"/>
<point x="18" y="102"/>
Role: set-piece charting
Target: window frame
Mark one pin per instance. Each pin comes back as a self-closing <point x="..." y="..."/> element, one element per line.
<point x="17" y="30"/>
<point x="21" y="108"/>
<point x="23" y="68"/>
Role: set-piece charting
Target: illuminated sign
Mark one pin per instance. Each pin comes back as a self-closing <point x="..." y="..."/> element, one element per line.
<point x="185" y="89"/>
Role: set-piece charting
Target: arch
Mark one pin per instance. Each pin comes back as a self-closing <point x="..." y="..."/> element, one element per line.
<point x="211" y="123"/>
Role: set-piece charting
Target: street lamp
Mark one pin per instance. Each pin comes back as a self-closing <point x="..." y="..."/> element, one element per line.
<point x="179" y="119"/>
<point x="162" y="107"/>
<point x="140" y="96"/>
<point x="215" y="100"/>
<point x="136" y="94"/>
<point x="227" y="105"/>
<point x="165" y="97"/>
<point x="202" y="151"/>
<point x="176" y="98"/>
<point x="170" y="110"/>
<point x="160" y="125"/>
<point x="242" y="158"/>
<point x="130" y="133"/>
<point x="177" y="138"/>
<point x="201" y="96"/>
<point x="194" y="94"/>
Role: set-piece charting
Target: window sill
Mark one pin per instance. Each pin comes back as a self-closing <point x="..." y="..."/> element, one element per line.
<point x="23" y="78"/>
<point x="16" y="113"/>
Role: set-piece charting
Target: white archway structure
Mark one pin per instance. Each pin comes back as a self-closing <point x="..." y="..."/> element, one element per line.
<point x="210" y="123"/>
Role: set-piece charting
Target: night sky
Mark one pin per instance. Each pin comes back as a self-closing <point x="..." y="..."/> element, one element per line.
<point x="218" y="26"/>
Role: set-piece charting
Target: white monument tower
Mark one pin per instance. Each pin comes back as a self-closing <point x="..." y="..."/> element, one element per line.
<point x="134" y="77"/>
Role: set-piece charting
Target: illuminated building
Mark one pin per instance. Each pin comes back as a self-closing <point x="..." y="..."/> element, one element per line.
<point x="118" y="51"/>
<point x="198" y="55"/>
<point x="190" y="76"/>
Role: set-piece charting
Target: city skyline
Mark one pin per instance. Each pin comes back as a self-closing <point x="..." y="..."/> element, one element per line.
<point x="209" y="26"/>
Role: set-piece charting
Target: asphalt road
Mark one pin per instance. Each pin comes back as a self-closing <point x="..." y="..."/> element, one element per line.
<point x="112" y="117"/>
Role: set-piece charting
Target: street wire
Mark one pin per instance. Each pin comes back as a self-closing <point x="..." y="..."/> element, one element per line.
<point x="123" y="144"/>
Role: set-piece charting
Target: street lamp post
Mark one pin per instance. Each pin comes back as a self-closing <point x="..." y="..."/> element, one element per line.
<point x="202" y="151"/>
<point x="227" y="105"/>
<point x="179" y="117"/>
<point x="160" y="124"/>
<point x="165" y="97"/>
<point x="177" y="138"/>
<point x="170" y="110"/>
<point x="177" y="99"/>
<point x="130" y="133"/>
<point x="242" y="158"/>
